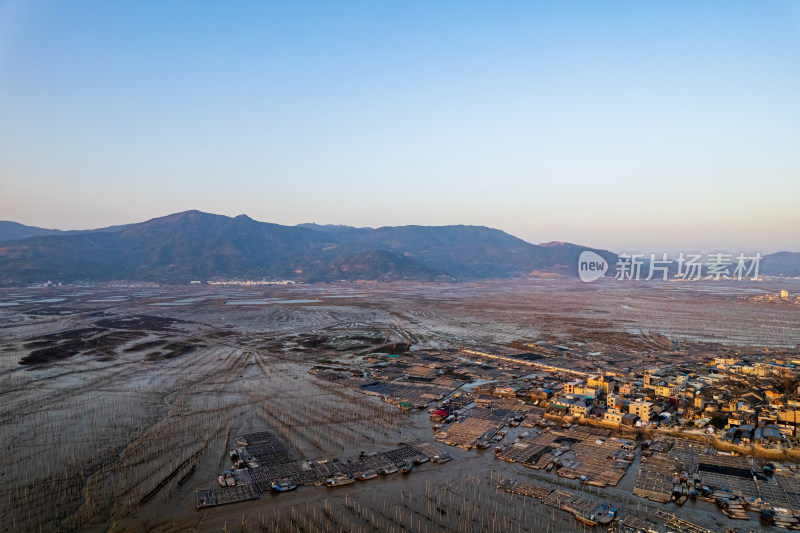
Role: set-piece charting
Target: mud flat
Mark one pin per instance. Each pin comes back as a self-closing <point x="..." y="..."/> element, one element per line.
<point x="131" y="408"/>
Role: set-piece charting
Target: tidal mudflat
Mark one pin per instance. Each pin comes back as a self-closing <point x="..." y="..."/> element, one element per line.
<point x="115" y="411"/>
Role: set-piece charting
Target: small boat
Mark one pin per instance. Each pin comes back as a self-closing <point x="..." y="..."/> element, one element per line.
<point x="421" y="459"/>
<point x="283" y="485"/>
<point x="338" y="481"/>
<point x="369" y="474"/>
<point x="407" y="467"/>
<point x="386" y="470"/>
<point x="229" y="481"/>
<point x="221" y="481"/>
<point x="589" y="520"/>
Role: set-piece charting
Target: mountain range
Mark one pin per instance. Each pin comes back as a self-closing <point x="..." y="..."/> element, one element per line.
<point x="194" y="245"/>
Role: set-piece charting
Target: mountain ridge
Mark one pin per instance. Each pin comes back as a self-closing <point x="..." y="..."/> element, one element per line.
<point x="180" y="247"/>
<point x="10" y="230"/>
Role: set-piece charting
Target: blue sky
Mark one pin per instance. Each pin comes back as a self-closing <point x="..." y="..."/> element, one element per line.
<point x="642" y="126"/>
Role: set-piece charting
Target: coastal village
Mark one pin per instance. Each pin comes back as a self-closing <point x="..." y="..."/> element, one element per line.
<point x="718" y="424"/>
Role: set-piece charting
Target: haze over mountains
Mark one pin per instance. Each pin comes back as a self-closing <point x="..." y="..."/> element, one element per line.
<point x="194" y="245"/>
<point x="10" y="231"/>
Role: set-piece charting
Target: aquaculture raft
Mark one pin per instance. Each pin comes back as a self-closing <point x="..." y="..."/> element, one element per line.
<point x="239" y="493"/>
<point x="267" y="464"/>
<point x="583" y="508"/>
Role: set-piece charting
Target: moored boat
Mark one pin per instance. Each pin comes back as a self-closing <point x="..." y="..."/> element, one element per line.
<point x="369" y="474"/>
<point x="589" y="520"/>
<point x="283" y="485"/>
<point x="338" y="481"/>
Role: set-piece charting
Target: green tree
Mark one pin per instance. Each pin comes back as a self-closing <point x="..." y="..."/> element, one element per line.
<point x="719" y="422"/>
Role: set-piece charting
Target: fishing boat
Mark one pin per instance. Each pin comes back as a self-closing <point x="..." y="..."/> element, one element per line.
<point x="588" y="520"/>
<point x="229" y="481"/>
<point x="338" y="481"/>
<point x="283" y="485"/>
<point x="221" y="481"/>
<point x="369" y="474"/>
<point x="386" y="470"/>
<point x="407" y="467"/>
<point x="421" y="459"/>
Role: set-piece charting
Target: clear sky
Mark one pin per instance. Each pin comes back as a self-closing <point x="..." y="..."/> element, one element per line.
<point x="636" y="125"/>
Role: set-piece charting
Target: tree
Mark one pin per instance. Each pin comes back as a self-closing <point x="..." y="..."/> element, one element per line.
<point x="719" y="422"/>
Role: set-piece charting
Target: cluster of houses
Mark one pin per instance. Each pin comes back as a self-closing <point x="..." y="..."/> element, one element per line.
<point x="741" y="401"/>
<point x="749" y="399"/>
